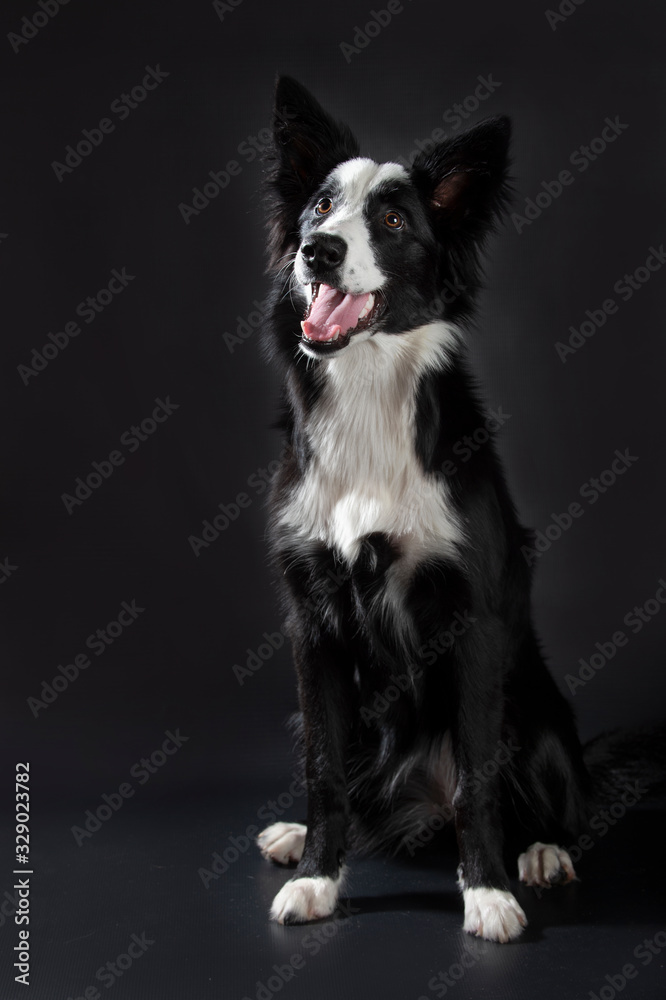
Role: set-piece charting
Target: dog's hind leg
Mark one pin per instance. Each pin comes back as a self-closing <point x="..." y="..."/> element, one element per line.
<point x="282" y="842"/>
<point x="559" y="800"/>
<point x="545" y="865"/>
<point x="553" y="784"/>
<point x="491" y="910"/>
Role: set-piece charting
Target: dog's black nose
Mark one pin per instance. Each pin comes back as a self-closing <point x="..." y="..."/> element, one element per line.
<point x="322" y="252"/>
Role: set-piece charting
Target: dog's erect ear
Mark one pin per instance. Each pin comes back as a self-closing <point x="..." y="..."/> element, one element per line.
<point x="309" y="141"/>
<point x="465" y="184"/>
<point x="465" y="179"/>
<point x="307" y="144"/>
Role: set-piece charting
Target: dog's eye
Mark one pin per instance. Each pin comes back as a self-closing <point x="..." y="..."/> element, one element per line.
<point x="324" y="206"/>
<point x="393" y="220"/>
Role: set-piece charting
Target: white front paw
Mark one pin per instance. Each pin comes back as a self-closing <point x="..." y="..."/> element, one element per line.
<point x="493" y="914"/>
<point x="304" y="899"/>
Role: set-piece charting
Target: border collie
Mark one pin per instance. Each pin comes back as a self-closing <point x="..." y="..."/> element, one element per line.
<point x="423" y="691"/>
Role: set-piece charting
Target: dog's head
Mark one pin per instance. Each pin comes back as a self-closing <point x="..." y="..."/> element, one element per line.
<point x="367" y="247"/>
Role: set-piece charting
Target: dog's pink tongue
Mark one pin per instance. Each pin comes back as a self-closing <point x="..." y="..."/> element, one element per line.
<point x="333" y="312"/>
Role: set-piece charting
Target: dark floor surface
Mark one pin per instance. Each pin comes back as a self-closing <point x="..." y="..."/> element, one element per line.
<point x="141" y="877"/>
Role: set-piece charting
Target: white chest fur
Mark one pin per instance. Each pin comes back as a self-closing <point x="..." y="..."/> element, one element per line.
<point x="364" y="475"/>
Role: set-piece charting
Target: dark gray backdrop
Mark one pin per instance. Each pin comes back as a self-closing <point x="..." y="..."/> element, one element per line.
<point x="163" y="335"/>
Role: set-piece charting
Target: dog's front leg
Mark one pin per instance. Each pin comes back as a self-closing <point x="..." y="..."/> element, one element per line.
<point x="325" y="695"/>
<point x="491" y="911"/>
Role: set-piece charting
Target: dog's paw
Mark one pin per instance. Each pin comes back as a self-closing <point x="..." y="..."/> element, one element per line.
<point x="545" y="865"/>
<point x="304" y="899"/>
<point x="493" y="914"/>
<point x="282" y="842"/>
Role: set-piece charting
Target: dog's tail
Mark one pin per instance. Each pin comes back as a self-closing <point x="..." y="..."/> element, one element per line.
<point x="623" y="760"/>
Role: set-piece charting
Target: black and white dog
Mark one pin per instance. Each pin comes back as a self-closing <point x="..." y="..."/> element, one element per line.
<point x="406" y="595"/>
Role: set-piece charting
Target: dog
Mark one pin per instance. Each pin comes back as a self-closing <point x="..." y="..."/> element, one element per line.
<point x="423" y="691"/>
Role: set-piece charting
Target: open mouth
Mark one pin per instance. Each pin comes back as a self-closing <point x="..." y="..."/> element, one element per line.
<point x="333" y="317"/>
